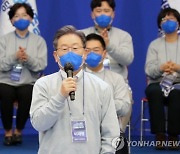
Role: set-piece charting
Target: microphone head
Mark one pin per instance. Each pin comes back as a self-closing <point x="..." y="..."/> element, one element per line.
<point x="68" y="66"/>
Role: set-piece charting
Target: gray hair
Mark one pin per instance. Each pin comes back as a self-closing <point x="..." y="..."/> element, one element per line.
<point x="69" y="29"/>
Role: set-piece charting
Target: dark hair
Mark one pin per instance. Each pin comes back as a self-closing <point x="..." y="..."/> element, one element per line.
<point x="167" y="11"/>
<point x="68" y="30"/>
<point x="16" y="6"/>
<point x="97" y="3"/>
<point x="96" y="37"/>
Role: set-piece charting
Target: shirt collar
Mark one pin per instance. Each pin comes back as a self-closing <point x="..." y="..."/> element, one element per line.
<point x="78" y="76"/>
<point x="90" y="71"/>
<point x="96" y="30"/>
<point x="27" y="34"/>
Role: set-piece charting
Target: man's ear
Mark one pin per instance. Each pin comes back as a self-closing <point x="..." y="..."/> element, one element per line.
<point x="92" y="15"/>
<point x="84" y="56"/>
<point x="55" y="56"/>
<point x="104" y="54"/>
<point x="113" y="15"/>
<point x="12" y="22"/>
<point x="31" y="20"/>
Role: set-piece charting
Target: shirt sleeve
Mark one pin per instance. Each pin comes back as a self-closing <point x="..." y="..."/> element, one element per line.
<point x="39" y="62"/>
<point x="109" y="123"/>
<point x="45" y="111"/>
<point x="152" y="66"/>
<point x="122" y="97"/>
<point x="6" y="61"/>
<point x="122" y="51"/>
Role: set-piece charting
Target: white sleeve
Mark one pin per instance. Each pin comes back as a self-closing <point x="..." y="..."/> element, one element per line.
<point x="109" y="123"/>
<point x="45" y="111"/>
<point x="122" y="52"/>
<point x="152" y="66"/>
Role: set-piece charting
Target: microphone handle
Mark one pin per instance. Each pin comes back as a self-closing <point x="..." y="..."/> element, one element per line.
<point x="72" y="95"/>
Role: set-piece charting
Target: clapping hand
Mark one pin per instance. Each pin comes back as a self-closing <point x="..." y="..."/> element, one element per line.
<point x="105" y="36"/>
<point x="21" y="54"/>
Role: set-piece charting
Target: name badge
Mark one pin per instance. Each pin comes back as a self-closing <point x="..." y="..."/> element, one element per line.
<point x="78" y="131"/>
<point x="16" y="72"/>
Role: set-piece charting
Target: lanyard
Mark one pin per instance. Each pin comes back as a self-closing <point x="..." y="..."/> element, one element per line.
<point x="83" y="98"/>
<point x="104" y="75"/>
<point x="177" y="46"/>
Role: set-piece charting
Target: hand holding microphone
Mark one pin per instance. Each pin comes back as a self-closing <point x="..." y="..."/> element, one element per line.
<point x="69" y="85"/>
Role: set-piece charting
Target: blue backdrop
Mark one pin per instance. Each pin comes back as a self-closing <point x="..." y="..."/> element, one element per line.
<point x="138" y="17"/>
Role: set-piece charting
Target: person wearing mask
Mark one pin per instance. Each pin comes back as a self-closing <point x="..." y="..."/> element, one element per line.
<point x="86" y="123"/>
<point x="163" y="72"/>
<point x="119" y="44"/>
<point x="96" y="52"/>
<point x="23" y="56"/>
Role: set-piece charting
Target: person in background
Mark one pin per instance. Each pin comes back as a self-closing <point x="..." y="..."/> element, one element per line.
<point x="23" y="56"/>
<point x="96" y="52"/>
<point x="86" y="124"/>
<point x="119" y="44"/>
<point x="163" y="71"/>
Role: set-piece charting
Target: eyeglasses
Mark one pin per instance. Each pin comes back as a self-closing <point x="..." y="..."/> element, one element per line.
<point x="169" y="18"/>
<point x="74" y="48"/>
<point x="96" y="49"/>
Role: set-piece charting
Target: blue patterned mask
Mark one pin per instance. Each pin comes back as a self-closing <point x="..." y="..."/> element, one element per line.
<point x="103" y="20"/>
<point x="169" y="26"/>
<point x="93" y="59"/>
<point x="73" y="58"/>
<point x="21" y="24"/>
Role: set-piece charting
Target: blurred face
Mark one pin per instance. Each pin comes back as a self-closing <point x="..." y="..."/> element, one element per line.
<point x="104" y="9"/>
<point x="168" y="17"/>
<point x="21" y="14"/>
<point x="67" y="43"/>
<point x="169" y="24"/>
<point x="95" y="55"/>
<point x="96" y="47"/>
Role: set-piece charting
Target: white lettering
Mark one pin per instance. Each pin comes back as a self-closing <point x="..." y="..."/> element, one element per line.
<point x="5" y="5"/>
<point x="79" y="133"/>
<point x="153" y="143"/>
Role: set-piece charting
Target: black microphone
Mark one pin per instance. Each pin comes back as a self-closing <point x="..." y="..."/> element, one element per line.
<point x="68" y="68"/>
